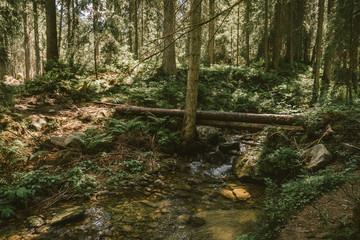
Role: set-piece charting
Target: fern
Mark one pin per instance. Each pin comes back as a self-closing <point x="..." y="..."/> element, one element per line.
<point x="7" y="211"/>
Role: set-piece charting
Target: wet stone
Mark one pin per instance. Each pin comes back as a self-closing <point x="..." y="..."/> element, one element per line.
<point x="34" y="222"/>
<point x="68" y="215"/>
<point x="228" y="146"/>
<point x="196" y="222"/>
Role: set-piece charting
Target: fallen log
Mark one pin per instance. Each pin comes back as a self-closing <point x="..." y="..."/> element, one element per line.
<point x="221" y="116"/>
<point x="246" y="126"/>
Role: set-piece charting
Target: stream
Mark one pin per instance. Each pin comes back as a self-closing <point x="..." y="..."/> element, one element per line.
<point x="181" y="203"/>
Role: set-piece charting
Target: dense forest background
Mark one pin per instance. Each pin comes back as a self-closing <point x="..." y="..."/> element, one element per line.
<point x="93" y="35"/>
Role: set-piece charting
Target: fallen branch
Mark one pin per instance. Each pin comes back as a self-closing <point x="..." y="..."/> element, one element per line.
<point x="246" y="126"/>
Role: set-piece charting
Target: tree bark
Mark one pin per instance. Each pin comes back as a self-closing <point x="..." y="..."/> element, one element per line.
<point x="51" y="34"/>
<point x="169" y="57"/>
<point x="36" y="38"/>
<point x="266" y="35"/>
<point x="353" y="49"/>
<point x="136" y="30"/>
<point x="96" y="36"/>
<point x="26" y="40"/>
<point x="290" y="35"/>
<point x="238" y="35"/>
<point x="247" y="31"/>
<point x="221" y="116"/>
<point x="319" y="36"/>
<point x="189" y="122"/>
<point x="329" y="53"/>
<point x="278" y="34"/>
<point x="4" y="59"/>
<point x="69" y="30"/>
<point x="246" y="126"/>
<point x="60" y="25"/>
<point x="211" y="32"/>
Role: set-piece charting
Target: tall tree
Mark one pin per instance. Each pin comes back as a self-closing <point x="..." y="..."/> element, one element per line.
<point x="136" y="29"/>
<point x="319" y="36"/>
<point x="51" y="34"/>
<point x="329" y="51"/>
<point x="238" y="35"/>
<point x="247" y="31"/>
<point x="26" y="39"/>
<point x="211" y="32"/>
<point x="36" y="38"/>
<point x="277" y="39"/>
<point x="169" y="57"/>
<point x="60" y="25"/>
<point x="353" y="46"/>
<point x="96" y="35"/>
<point x="266" y="35"/>
<point x="189" y="123"/>
<point x="289" y="57"/>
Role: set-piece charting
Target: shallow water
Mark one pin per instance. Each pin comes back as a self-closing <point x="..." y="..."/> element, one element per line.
<point x="180" y="204"/>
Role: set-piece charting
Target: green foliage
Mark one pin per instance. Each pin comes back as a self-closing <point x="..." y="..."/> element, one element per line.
<point x="133" y="166"/>
<point x="79" y="180"/>
<point x="13" y="151"/>
<point x="117" y="127"/>
<point x="221" y="88"/>
<point x="6" y="97"/>
<point x="60" y="82"/>
<point x="341" y="118"/>
<point x="279" y="164"/>
<point x="284" y="200"/>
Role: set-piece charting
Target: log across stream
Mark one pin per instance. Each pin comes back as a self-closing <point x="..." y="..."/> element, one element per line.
<point x="236" y="120"/>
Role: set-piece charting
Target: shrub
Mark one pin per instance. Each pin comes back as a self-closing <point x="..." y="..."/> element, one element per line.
<point x="279" y="164"/>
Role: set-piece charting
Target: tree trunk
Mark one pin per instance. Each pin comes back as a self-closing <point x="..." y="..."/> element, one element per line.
<point x="169" y="57"/>
<point x="4" y="59"/>
<point x="246" y="126"/>
<point x="211" y="32"/>
<point x="247" y="31"/>
<point x="130" y="32"/>
<point x="189" y="122"/>
<point x="74" y="23"/>
<point x="36" y="38"/>
<point x="221" y="116"/>
<point x="266" y="35"/>
<point x="136" y="30"/>
<point x="60" y="25"/>
<point x="319" y="34"/>
<point x="238" y="36"/>
<point x="51" y="34"/>
<point x="290" y="35"/>
<point x="328" y="54"/>
<point x="353" y="49"/>
<point x="277" y="41"/>
<point x="26" y="40"/>
<point x="299" y="29"/>
<point x="96" y="36"/>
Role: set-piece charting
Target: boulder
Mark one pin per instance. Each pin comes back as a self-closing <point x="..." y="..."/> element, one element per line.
<point x="228" y="146"/>
<point x="38" y="123"/>
<point x="34" y="222"/>
<point x="241" y="194"/>
<point x="317" y="157"/>
<point x="245" y="167"/>
<point x="72" y="139"/>
<point x="68" y="215"/>
<point x="57" y="141"/>
<point x="227" y="194"/>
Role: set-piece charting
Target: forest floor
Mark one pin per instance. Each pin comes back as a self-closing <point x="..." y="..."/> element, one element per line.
<point x="46" y="118"/>
<point x="326" y="218"/>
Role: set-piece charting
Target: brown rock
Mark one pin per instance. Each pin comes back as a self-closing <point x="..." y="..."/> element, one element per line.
<point x="241" y="194"/>
<point x="227" y="194"/>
